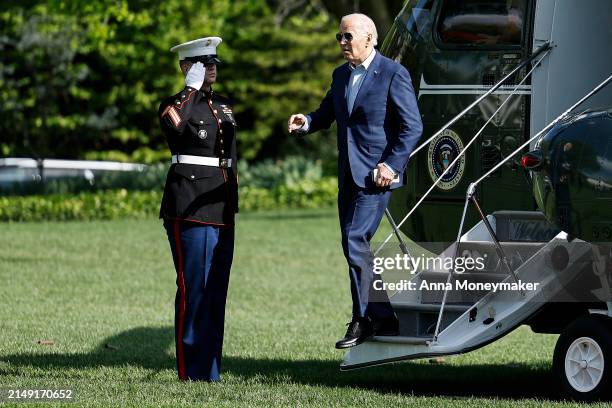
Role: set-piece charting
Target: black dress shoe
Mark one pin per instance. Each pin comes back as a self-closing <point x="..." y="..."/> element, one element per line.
<point x="359" y="330"/>
<point x="386" y="327"/>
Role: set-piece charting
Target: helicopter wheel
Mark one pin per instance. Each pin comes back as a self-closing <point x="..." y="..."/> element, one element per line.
<point x="582" y="359"/>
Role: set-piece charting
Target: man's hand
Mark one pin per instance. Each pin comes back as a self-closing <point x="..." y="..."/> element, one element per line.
<point x="296" y="122"/>
<point x="385" y="176"/>
<point x="195" y="76"/>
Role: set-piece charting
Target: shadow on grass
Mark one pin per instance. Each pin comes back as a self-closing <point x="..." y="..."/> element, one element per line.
<point x="148" y="348"/>
<point x="487" y="381"/>
<point x="145" y="347"/>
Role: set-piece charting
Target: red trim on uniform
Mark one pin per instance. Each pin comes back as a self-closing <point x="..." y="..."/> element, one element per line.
<point x="180" y="356"/>
<point x="173" y="113"/>
<point x="187" y="98"/>
<point x="212" y="110"/>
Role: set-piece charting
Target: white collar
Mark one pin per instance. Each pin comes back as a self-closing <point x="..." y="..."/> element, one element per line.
<point x="366" y="63"/>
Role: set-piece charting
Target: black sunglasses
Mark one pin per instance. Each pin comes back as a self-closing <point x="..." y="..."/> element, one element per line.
<point x="205" y="59"/>
<point x="347" y="36"/>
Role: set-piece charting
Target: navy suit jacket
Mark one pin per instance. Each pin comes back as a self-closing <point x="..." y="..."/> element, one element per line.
<point x="384" y="126"/>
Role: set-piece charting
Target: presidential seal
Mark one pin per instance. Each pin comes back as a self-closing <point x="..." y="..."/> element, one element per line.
<point x="442" y="151"/>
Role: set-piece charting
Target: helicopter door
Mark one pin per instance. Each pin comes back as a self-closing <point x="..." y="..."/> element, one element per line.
<point x="469" y="46"/>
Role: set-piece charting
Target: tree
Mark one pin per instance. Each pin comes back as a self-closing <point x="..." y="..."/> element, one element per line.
<point x="383" y="12"/>
<point x="84" y="78"/>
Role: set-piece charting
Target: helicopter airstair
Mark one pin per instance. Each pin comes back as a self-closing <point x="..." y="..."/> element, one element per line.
<point x="527" y="265"/>
<point x="442" y="322"/>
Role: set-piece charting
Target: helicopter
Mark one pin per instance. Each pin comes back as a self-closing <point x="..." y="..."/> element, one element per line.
<point x="514" y="165"/>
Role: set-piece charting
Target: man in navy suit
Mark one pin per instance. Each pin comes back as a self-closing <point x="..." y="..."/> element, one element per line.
<point x="373" y="103"/>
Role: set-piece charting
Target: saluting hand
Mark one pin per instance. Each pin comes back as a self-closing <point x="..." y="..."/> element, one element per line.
<point x="195" y="76"/>
<point x="296" y="122"/>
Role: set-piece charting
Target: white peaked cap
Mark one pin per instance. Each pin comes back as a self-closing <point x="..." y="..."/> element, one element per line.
<point x="196" y="48"/>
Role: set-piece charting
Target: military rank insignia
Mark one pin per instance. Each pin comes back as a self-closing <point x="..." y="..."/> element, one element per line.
<point x="173" y="115"/>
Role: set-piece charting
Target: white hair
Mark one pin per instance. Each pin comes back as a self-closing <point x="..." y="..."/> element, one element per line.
<point x="365" y="23"/>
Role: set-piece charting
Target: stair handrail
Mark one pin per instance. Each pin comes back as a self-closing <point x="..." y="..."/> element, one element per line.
<point x="545" y="48"/>
<point x="471" y="194"/>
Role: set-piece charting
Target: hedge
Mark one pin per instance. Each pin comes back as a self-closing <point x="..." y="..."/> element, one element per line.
<point x="266" y="174"/>
<point x="115" y="204"/>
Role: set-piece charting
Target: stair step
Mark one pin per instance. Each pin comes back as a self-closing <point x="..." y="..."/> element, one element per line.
<point x="417" y="320"/>
<point x="401" y="339"/>
<point x="429" y="307"/>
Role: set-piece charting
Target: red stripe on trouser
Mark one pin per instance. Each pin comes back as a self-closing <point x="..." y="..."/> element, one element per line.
<point x="180" y="356"/>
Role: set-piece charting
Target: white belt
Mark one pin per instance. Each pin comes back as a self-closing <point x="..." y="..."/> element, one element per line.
<point x="201" y="160"/>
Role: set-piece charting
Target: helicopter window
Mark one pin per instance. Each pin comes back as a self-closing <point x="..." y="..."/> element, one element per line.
<point x="416" y="17"/>
<point x="482" y="22"/>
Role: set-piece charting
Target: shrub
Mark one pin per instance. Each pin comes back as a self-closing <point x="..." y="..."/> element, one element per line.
<point x="271" y="173"/>
<point x="121" y="203"/>
<point x="101" y="205"/>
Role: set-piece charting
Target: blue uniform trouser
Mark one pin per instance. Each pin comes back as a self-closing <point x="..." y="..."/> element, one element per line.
<point x="360" y="211"/>
<point x="202" y="257"/>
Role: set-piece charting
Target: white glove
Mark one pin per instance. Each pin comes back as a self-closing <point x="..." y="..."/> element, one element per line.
<point x="195" y="76"/>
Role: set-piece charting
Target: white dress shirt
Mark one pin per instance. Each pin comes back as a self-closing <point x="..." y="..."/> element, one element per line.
<point x="355" y="81"/>
<point x="357" y="75"/>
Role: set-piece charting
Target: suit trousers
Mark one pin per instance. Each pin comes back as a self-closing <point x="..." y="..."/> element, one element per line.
<point x="202" y="257"/>
<point x="360" y="211"/>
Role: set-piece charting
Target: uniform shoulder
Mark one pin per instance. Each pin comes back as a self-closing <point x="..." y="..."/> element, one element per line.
<point x="179" y="98"/>
<point x="169" y="100"/>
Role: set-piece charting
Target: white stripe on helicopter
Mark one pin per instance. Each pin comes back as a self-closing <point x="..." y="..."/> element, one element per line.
<point x="427" y="89"/>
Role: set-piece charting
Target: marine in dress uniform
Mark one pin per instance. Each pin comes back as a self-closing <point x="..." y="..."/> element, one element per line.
<point x="198" y="208"/>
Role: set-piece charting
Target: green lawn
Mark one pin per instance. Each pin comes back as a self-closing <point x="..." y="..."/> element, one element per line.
<point x="101" y="294"/>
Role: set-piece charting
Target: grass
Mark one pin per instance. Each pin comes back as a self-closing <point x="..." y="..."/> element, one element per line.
<point x="100" y="297"/>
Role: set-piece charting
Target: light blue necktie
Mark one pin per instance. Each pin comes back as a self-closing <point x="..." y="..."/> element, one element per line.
<point x="355" y="81"/>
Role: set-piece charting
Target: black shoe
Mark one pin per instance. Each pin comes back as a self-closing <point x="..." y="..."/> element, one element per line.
<point x="359" y="330"/>
<point x="386" y="327"/>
